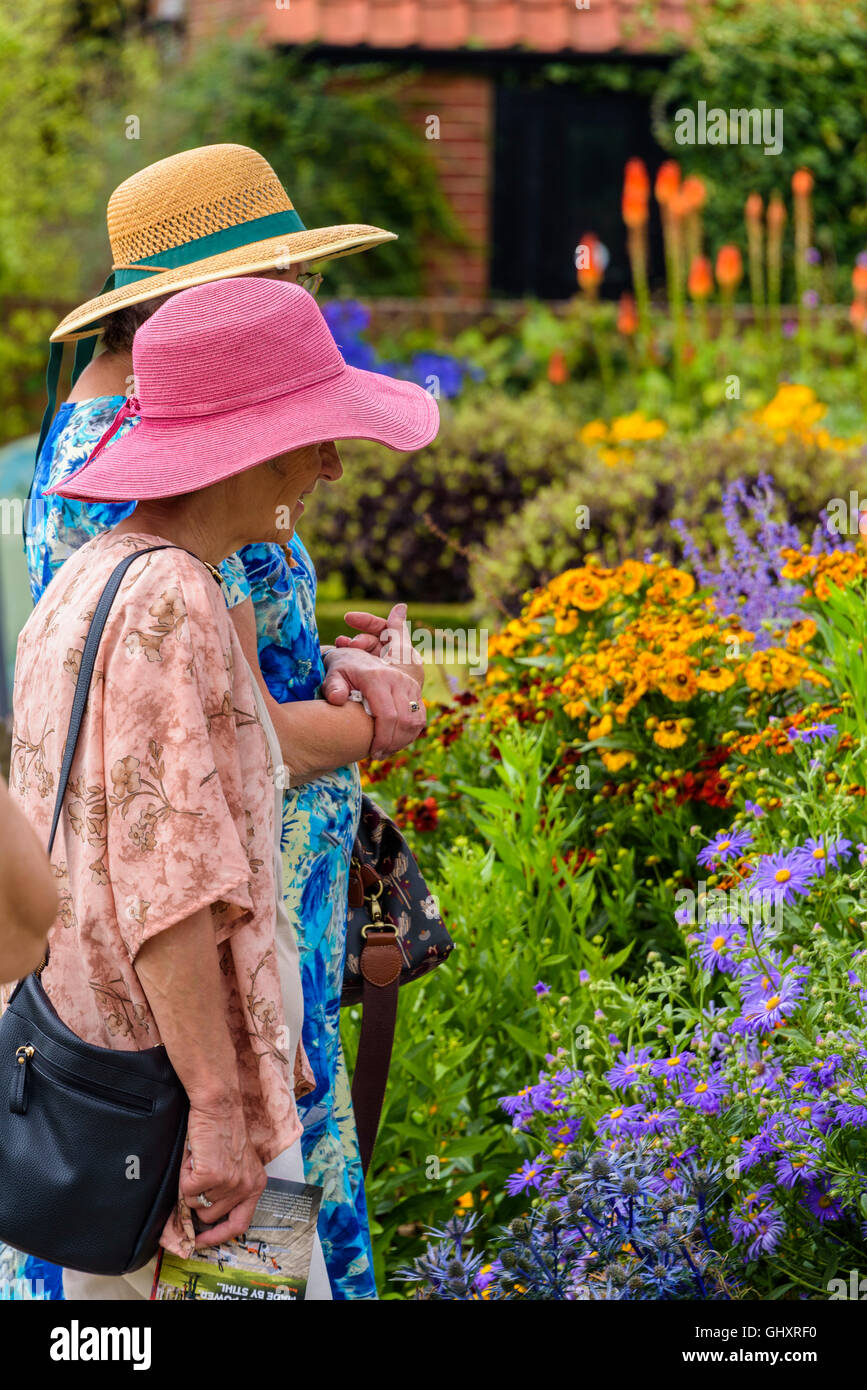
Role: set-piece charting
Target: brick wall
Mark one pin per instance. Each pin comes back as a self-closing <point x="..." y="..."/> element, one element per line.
<point x="206" y="19"/>
<point x="464" y="107"/>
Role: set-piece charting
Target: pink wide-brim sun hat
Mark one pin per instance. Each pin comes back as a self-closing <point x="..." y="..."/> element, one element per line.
<point x="231" y="373"/>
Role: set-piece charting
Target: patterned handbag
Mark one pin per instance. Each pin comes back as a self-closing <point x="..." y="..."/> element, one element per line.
<point x="395" y="934"/>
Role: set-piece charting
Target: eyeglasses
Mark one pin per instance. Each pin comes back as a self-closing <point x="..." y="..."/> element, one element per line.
<point x="310" y="281"/>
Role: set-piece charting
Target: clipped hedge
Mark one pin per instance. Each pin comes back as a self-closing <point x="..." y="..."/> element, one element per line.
<point x="369" y="535"/>
<point x="631" y="506"/>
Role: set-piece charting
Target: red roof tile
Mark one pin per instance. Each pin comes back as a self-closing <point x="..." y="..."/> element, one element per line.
<point x="548" y="26"/>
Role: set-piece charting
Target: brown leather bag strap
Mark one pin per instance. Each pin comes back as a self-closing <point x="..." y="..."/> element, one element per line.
<point x="380" y="964"/>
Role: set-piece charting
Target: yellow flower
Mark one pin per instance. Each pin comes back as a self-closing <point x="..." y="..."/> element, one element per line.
<point x="801" y="632"/>
<point x="669" y="733"/>
<point x="600" y="728"/>
<point x="594" y="431"/>
<point x="774" y="669"/>
<point x="678" y="680"/>
<point x="798" y="565"/>
<point x="630" y="576"/>
<point x="614" y="761"/>
<point x="671" y="584"/>
<point x="589" y="594"/>
<point x="716" y="678"/>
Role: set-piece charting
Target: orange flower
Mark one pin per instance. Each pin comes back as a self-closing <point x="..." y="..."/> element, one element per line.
<point x="636" y="192"/>
<point x="557" y="369"/>
<point x="700" y="282"/>
<point x="693" y="192"/>
<point x="729" y="267"/>
<point x="596" y="257"/>
<point x="753" y="208"/>
<point x="627" y="319"/>
<point x="802" y="183"/>
<point x="859" y="279"/>
<point x="667" y="181"/>
<point x="857" y="313"/>
<point x="776" y="213"/>
<point x="679" y="204"/>
<point x="635" y="178"/>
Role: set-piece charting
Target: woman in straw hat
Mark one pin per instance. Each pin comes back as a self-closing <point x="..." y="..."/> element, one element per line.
<point x="198" y="217"/>
<point x="172" y="926"/>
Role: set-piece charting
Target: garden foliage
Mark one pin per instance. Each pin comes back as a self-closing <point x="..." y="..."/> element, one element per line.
<point x="672" y="843"/>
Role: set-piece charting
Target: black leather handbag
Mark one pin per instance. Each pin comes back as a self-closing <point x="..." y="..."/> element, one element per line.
<point x="91" y="1139"/>
<point x="394" y="935"/>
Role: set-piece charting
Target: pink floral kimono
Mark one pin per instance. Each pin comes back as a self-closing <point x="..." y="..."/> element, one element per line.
<point x="170" y="808"/>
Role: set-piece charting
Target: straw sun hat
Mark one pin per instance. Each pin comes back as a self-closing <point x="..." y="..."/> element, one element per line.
<point x="203" y="215"/>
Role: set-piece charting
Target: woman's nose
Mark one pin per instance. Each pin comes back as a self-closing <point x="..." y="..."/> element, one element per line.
<point x="330" y="462"/>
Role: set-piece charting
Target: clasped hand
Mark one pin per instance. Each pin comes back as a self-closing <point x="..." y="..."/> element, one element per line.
<point x="381" y="663"/>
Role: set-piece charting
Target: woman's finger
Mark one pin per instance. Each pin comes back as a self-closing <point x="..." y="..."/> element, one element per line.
<point x="385" y="716"/>
<point x="365" y="642"/>
<point x="235" y="1223"/>
<point x="366" y="622"/>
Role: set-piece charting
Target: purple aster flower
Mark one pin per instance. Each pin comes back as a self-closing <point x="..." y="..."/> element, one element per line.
<point x="541" y="988"/>
<point x="656" y="1121"/>
<point x="807" y="1114"/>
<point x="716" y="945"/>
<point x="784" y="875"/>
<point x="759" y="1227"/>
<point x="817" y="855"/>
<point x="631" y="1068"/>
<point x="755" y="1150"/>
<point x="769" y="995"/>
<point x="754" y="809"/>
<point x="725" y="846"/>
<point x="565" y="1131"/>
<point x="816" y="733"/>
<point x="810" y="298"/>
<point x="705" y="1093"/>
<point x="794" y="1166"/>
<point x="851" y="1113"/>
<point x="820" y="1202"/>
<point x="530" y="1174"/>
<point x="584" y="977"/>
<point x="790" y="328"/>
<point x="813" y="255"/>
<point x="619" y="1119"/>
<point x="677" y="1064"/>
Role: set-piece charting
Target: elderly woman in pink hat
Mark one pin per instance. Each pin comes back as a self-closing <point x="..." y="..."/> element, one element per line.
<point x="198" y="216"/>
<point x="171" y="925"/>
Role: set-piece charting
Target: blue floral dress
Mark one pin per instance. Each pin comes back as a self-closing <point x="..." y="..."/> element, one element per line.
<point x="319" y="820"/>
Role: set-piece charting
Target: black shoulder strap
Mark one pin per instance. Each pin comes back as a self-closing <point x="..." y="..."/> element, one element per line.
<point x="85" y="674"/>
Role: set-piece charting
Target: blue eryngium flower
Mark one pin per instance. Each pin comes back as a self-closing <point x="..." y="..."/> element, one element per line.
<point x="606" y="1226"/>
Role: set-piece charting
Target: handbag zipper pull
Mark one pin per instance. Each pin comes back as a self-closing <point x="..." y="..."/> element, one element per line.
<point x="17" y="1100"/>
